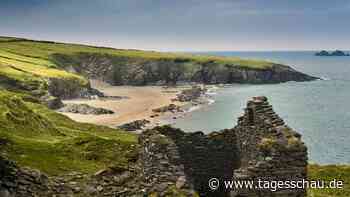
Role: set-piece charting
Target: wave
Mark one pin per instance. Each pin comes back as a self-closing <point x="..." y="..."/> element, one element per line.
<point x="211" y="93"/>
<point x="325" y="78"/>
<point x="211" y="101"/>
<point x="193" y="108"/>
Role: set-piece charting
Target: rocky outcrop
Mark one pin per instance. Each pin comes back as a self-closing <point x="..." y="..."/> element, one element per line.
<point x="69" y="89"/>
<point x="51" y="102"/>
<point x="84" y="109"/>
<point x="276" y="74"/>
<point x="334" y="53"/>
<point x="134" y="125"/>
<point x="118" y="70"/>
<point x="168" y="108"/>
<point x="191" y="94"/>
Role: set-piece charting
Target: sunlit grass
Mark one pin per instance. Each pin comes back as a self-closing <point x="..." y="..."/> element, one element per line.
<point x="45" y="50"/>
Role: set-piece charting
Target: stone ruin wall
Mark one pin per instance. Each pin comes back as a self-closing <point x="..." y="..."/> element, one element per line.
<point x="268" y="149"/>
<point x="186" y="161"/>
<point x="260" y="146"/>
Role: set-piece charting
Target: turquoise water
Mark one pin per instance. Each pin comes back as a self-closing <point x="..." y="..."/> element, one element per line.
<point x="319" y="110"/>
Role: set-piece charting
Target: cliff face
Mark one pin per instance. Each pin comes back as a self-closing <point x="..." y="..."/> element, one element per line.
<point x="140" y="71"/>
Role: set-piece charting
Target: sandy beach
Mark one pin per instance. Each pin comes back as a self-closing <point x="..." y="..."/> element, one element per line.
<point x="137" y="103"/>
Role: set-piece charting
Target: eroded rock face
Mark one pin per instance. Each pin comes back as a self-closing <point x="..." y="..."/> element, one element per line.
<point x="69" y="89"/>
<point x="134" y="125"/>
<point x="140" y="71"/>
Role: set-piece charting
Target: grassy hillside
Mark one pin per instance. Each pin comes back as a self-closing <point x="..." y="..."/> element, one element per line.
<point x="42" y="139"/>
<point x="328" y="173"/>
<point x="42" y="51"/>
<point x="27" y="65"/>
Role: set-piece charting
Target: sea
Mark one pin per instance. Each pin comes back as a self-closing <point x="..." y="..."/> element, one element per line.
<point x="319" y="110"/>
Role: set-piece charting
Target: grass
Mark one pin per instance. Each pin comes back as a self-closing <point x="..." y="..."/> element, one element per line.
<point x="29" y="64"/>
<point x="43" y="139"/>
<point x="329" y="173"/>
<point x="36" y="67"/>
<point x="44" y="50"/>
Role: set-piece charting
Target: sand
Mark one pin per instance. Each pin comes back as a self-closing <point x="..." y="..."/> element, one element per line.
<point x="138" y="105"/>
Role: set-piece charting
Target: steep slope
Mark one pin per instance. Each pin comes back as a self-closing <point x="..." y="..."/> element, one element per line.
<point x="35" y="136"/>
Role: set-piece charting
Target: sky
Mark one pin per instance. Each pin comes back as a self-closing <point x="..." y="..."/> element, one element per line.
<point x="183" y="25"/>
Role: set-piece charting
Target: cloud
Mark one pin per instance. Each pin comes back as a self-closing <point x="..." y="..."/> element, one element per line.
<point x="177" y="24"/>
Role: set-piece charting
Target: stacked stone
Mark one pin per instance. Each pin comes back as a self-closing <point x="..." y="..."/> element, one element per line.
<point x="269" y="150"/>
<point x="259" y="112"/>
<point x="189" y="160"/>
<point x="21" y="182"/>
<point x="161" y="164"/>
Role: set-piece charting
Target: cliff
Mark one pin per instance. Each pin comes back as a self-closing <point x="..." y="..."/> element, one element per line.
<point x="51" y="71"/>
<point x="123" y="70"/>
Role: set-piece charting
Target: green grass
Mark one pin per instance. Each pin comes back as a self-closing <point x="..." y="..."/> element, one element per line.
<point x="329" y="173"/>
<point x="43" y="139"/>
<point x="29" y="64"/>
<point x="36" y="67"/>
<point x="44" y="50"/>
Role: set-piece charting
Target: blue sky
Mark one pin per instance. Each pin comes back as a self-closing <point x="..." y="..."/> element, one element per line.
<point x="169" y="25"/>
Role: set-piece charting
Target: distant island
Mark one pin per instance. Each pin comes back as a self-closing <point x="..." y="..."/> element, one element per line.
<point x="334" y="53"/>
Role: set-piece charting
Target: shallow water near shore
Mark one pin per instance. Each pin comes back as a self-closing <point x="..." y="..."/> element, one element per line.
<point x="319" y="110"/>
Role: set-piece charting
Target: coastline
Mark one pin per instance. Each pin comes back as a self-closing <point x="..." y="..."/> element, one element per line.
<point x="132" y="103"/>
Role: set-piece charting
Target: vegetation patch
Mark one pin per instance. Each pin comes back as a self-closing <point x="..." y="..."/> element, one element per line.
<point x="329" y="173"/>
<point x="43" y="139"/>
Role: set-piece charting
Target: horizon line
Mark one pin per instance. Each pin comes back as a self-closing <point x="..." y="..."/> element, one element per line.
<point x="171" y="51"/>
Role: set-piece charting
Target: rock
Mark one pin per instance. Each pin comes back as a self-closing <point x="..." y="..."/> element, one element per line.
<point x="125" y="71"/>
<point x="334" y="53"/>
<point x="52" y="102"/>
<point x="5" y="193"/>
<point x="180" y="182"/>
<point x="171" y="107"/>
<point x="99" y="188"/>
<point x="84" y="109"/>
<point x="134" y="125"/>
<point x="191" y="94"/>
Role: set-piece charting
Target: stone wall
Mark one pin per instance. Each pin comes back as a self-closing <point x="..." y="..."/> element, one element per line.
<point x="187" y="159"/>
<point x="268" y="149"/>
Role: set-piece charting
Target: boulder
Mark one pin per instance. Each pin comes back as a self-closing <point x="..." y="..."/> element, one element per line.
<point x="191" y="94"/>
<point x="134" y="125"/>
<point x="84" y="109"/>
<point x="170" y="107"/>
